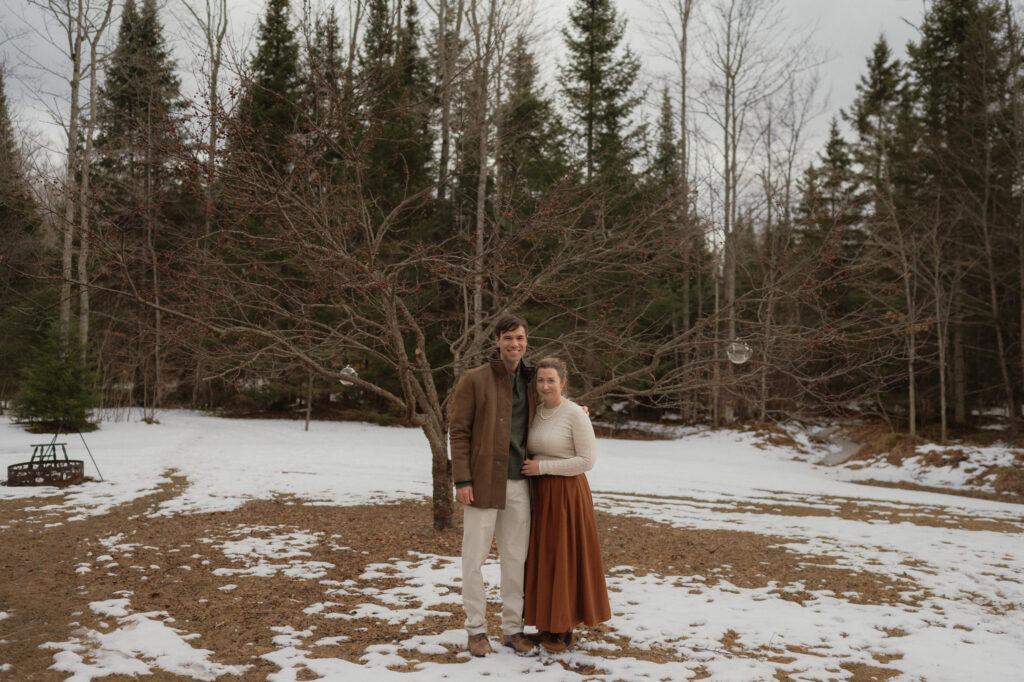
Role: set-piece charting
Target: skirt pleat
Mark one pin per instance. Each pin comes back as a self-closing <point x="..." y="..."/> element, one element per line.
<point x="564" y="572"/>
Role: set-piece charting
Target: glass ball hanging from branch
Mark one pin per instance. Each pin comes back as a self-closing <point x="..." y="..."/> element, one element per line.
<point x="348" y="371"/>
<point x="738" y="352"/>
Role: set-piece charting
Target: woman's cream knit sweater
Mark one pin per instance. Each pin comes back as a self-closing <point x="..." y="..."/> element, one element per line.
<point x="563" y="443"/>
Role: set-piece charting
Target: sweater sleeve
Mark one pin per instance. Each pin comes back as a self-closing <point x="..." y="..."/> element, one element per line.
<point x="584" y="445"/>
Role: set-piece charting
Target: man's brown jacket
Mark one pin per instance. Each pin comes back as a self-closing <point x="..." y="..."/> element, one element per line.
<point x="481" y="413"/>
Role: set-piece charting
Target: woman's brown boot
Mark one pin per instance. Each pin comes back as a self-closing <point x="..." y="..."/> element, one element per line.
<point x="558" y="642"/>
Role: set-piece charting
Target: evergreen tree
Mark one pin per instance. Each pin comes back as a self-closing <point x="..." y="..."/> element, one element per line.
<point x="397" y="106"/>
<point x="21" y="294"/>
<point x="598" y="84"/>
<point x="324" y="75"/>
<point x="138" y="100"/>
<point x="665" y="166"/>
<point x="325" y="109"/>
<point x="269" y="108"/>
<point x="832" y="211"/>
<point x="960" y="188"/>
<point x="875" y="114"/>
<point x="18" y="214"/>
<point x="141" y="205"/>
<point x="55" y="383"/>
<point x="533" y="154"/>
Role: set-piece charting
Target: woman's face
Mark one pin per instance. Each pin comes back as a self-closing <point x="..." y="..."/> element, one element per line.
<point x="549" y="385"/>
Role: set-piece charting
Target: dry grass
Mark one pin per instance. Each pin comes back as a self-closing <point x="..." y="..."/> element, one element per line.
<point x="48" y="600"/>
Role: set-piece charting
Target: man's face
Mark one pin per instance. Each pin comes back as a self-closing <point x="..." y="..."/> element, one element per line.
<point x="512" y="346"/>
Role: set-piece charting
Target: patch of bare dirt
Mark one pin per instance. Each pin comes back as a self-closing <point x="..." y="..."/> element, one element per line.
<point x="747" y="560"/>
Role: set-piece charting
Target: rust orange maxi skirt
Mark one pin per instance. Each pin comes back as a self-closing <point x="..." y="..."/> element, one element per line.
<point x="564" y="572"/>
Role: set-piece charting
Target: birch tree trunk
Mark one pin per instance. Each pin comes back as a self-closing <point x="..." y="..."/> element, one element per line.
<point x="75" y="30"/>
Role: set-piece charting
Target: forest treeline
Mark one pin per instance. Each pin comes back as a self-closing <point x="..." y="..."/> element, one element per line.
<point x="373" y="184"/>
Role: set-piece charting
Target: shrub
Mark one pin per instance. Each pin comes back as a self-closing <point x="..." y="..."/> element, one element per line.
<point x="56" y="383"/>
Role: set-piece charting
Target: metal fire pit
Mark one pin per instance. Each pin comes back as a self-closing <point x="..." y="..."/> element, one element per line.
<point x="46" y="469"/>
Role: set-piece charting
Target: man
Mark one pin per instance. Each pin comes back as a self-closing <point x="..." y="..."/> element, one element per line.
<point x="490" y="414"/>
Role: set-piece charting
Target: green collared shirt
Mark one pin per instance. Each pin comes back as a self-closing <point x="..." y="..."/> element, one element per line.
<point x="520" y="423"/>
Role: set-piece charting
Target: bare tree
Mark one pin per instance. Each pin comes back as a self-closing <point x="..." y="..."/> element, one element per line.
<point x="212" y="20"/>
<point x="751" y="57"/>
<point x="73" y="26"/>
<point x="329" y="281"/>
<point x="785" y="127"/>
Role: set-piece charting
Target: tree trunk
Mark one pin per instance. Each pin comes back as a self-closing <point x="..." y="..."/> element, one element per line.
<point x="941" y="325"/>
<point x="76" y="34"/>
<point x="716" y="388"/>
<point x="155" y="276"/>
<point x="959" y="374"/>
<point x="481" y="199"/>
<point x="309" y="400"/>
<point x="441" y="475"/>
<point x="911" y="348"/>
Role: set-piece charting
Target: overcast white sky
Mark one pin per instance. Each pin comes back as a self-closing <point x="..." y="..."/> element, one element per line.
<point x="846" y="29"/>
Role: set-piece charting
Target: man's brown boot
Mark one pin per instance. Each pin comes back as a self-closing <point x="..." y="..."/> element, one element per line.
<point x="478" y="645"/>
<point x="521" y="644"/>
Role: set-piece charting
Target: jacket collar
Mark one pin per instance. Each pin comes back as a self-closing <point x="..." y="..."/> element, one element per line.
<point x="494" y="358"/>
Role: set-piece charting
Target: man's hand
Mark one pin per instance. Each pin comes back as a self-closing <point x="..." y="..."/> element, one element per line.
<point x="464" y="495"/>
<point x="531" y="467"/>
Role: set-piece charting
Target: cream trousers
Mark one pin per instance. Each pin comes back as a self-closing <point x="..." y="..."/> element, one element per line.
<point x="512" y="526"/>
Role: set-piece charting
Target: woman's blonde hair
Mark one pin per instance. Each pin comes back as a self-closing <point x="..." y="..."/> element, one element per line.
<point x="556" y="364"/>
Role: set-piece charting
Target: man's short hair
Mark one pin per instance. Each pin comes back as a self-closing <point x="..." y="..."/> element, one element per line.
<point x="507" y="324"/>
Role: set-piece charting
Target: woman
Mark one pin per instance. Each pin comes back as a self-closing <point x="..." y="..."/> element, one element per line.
<point x="564" y="573"/>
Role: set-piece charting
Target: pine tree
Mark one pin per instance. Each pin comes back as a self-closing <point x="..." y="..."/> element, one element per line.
<point x="324" y="76"/>
<point x="533" y="154"/>
<point x="959" y="189"/>
<point x="876" y="113"/>
<point x="598" y="84"/>
<point x="18" y="214"/>
<point x="665" y="166"/>
<point x="269" y="107"/>
<point x="397" y="107"/>
<point x="138" y="100"/>
<point x="56" y="383"/>
<point x="325" y="110"/>
<point x="141" y="204"/>
<point x="21" y="293"/>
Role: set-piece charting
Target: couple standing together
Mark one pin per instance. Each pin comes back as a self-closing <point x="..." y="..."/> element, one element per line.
<point x="512" y="430"/>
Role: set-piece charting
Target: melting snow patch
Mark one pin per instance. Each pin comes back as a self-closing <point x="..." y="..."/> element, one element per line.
<point x="116" y="608"/>
<point x="257" y="553"/>
<point x="289" y="636"/>
<point x="142" y="643"/>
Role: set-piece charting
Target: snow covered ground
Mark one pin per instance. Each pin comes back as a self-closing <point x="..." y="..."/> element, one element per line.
<point x="962" y="619"/>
